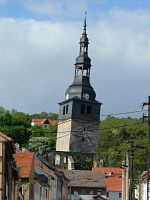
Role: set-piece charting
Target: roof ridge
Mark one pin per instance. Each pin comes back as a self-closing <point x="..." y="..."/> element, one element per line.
<point x="5" y="136"/>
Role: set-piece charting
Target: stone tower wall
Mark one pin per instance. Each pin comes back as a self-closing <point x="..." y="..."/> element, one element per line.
<point x="77" y="136"/>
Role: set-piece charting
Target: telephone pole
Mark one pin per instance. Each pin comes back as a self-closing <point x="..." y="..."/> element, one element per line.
<point x="132" y="184"/>
<point x="132" y="176"/>
<point x="148" y="148"/>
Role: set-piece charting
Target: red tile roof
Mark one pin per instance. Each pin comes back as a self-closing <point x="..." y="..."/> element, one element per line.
<point x="42" y="121"/>
<point x="53" y="122"/>
<point x="5" y="136"/>
<point x="24" y="161"/>
<point x="116" y="171"/>
<point x="114" y="184"/>
<point x="39" y="164"/>
<point x="38" y="121"/>
<point x="113" y="177"/>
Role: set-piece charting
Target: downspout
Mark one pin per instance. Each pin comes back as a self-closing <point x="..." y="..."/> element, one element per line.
<point x="70" y="189"/>
<point x="3" y="172"/>
<point x="57" y="191"/>
<point x="140" y="196"/>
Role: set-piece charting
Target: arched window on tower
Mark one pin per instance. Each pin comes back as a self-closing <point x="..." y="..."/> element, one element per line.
<point x="89" y="109"/>
<point x="82" y="109"/>
<point x="64" y="109"/>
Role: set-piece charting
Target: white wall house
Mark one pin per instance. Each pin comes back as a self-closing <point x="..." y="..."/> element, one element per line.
<point x="50" y="184"/>
<point x="41" y="191"/>
<point x="85" y="184"/>
<point x="141" y="190"/>
<point x="114" y="195"/>
<point x="113" y="178"/>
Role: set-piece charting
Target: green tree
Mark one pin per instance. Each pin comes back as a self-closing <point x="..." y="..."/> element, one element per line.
<point x="45" y="115"/>
<point x="114" y="141"/>
<point x="37" y="131"/>
<point x="16" y="125"/>
<point x="43" y="144"/>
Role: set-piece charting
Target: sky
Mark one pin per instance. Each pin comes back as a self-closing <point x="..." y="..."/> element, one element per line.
<point x="39" y="42"/>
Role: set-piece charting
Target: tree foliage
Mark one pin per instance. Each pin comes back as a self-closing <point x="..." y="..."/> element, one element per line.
<point x="45" y="115"/>
<point x="116" y="135"/>
<point x="17" y="125"/>
<point x="41" y="144"/>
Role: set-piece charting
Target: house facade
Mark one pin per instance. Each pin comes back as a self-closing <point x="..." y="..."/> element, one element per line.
<point x="113" y="178"/>
<point x="85" y="184"/>
<point x="41" y="188"/>
<point x="46" y="123"/>
<point x="25" y="165"/>
<point x="50" y="183"/>
<point x="141" y="190"/>
<point x="8" y="170"/>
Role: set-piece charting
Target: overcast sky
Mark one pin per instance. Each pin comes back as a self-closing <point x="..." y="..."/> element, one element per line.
<point x="39" y="41"/>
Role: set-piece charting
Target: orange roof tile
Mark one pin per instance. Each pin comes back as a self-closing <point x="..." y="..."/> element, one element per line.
<point x="113" y="177"/>
<point x="38" y="121"/>
<point x="114" y="170"/>
<point x="53" y="122"/>
<point x="43" y="168"/>
<point x="114" y="184"/>
<point x="24" y="162"/>
<point x="42" y="121"/>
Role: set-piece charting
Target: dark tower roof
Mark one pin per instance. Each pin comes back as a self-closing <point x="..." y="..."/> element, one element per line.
<point x="80" y="98"/>
<point x="81" y="87"/>
<point x="83" y="61"/>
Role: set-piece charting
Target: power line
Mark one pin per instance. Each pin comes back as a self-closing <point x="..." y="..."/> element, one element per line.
<point x="79" y="130"/>
<point x="123" y="113"/>
<point x="100" y="129"/>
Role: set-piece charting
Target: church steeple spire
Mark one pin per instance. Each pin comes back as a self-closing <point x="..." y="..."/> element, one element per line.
<point x="83" y="62"/>
<point x="84" y="29"/>
<point x="81" y="87"/>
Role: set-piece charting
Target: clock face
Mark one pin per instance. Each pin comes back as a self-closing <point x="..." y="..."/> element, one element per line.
<point x="67" y="96"/>
<point x="86" y="96"/>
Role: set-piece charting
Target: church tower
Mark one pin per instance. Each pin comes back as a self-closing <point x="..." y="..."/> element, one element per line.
<point x="79" y="113"/>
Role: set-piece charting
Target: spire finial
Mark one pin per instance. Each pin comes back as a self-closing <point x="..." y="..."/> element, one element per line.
<point x="85" y="20"/>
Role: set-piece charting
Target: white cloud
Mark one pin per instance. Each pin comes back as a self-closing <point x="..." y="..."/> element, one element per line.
<point x="31" y="54"/>
<point x="55" y="8"/>
<point x="37" y="57"/>
<point x="3" y="1"/>
<point x="61" y="10"/>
